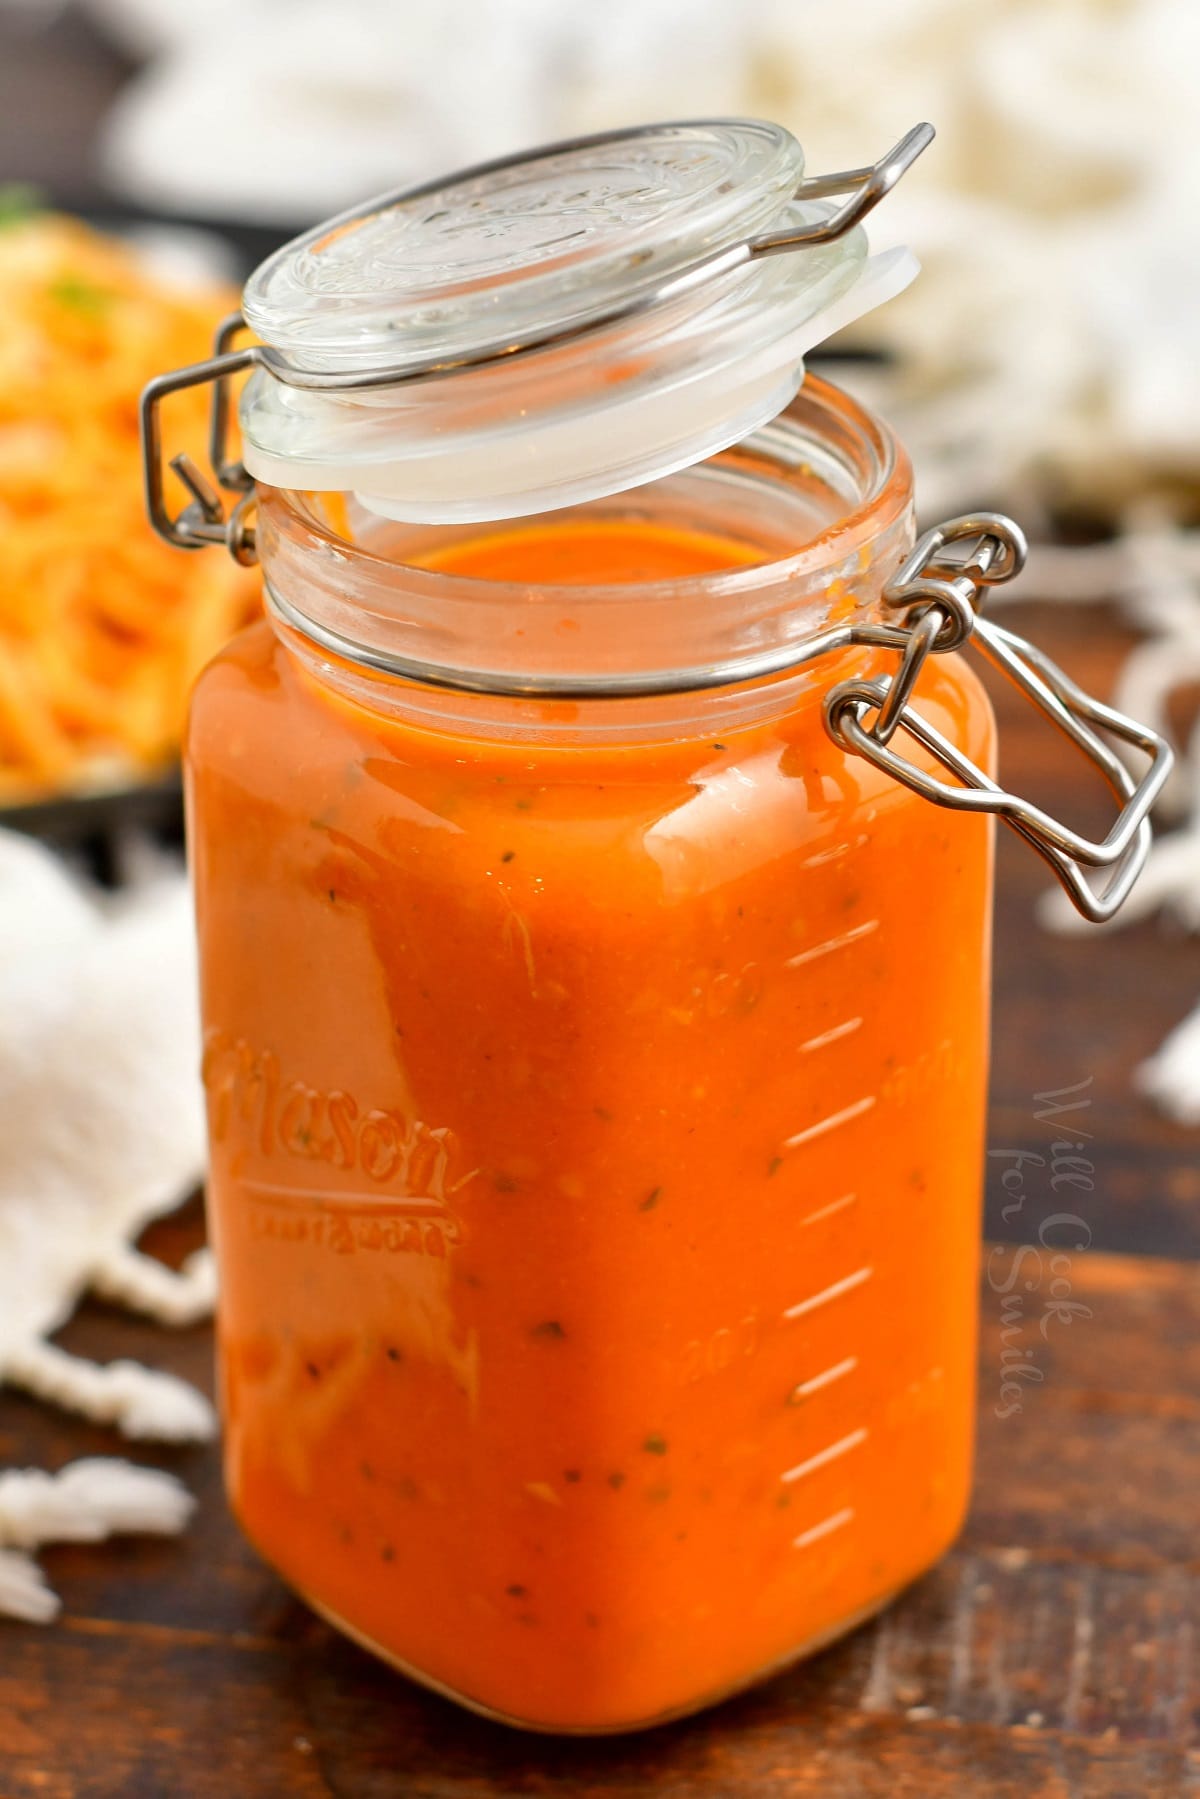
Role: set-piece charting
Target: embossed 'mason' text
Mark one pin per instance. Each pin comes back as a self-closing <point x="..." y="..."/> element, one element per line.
<point x="248" y="1098"/>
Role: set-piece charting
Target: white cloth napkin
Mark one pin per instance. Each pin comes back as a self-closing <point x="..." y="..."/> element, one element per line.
<point x="101" y="1130"/>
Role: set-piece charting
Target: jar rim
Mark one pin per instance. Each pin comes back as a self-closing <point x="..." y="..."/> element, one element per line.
<point x="883" y="497"/>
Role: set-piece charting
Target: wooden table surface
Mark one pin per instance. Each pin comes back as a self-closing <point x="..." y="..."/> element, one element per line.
<point x="1054" y="1652"/>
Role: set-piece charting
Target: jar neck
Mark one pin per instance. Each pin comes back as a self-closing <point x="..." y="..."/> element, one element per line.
<point x="821" y="499"/>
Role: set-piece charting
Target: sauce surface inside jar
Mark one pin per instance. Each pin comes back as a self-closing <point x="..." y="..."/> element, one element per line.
<point x="596" y="1140"/>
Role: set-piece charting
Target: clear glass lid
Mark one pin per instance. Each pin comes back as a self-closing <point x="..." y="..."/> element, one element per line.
<point x="553" y="327"/>
<point x="519" y="248"/>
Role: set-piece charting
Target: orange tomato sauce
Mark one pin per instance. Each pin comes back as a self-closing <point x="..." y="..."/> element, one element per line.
<point x="596" y="1136"/>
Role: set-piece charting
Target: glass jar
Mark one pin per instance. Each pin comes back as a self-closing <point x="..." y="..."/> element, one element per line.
<point x="595" y="1025"/>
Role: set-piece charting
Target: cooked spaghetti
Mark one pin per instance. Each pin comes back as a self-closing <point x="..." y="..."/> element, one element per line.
<point x="102" y="628"/>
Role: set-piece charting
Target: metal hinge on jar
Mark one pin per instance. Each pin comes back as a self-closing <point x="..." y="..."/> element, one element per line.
<point x="204" y="520"/>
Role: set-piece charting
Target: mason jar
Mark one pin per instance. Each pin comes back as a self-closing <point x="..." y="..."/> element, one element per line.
<point x="596" y="1017"/>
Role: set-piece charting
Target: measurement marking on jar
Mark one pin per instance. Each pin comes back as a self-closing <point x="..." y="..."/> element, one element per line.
<point x="823" y="1457"/>
<point x="832" y="1036"/>
<point x="834" y="854"/>
<point x="835" y="1205"/>
<point x="846" y="1285"/>
<point x="832" y="1122"/>
<point x="824" y="1528"/>
<point x="826" y="1377"/>
<point x="831" y="943"/>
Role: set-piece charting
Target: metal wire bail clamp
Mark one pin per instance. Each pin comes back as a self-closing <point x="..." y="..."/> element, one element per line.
<point x="944" y="597"/>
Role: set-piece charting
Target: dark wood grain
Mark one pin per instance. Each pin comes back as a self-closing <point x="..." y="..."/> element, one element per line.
<point x="1055" y="1653"/>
